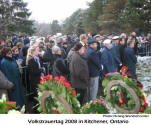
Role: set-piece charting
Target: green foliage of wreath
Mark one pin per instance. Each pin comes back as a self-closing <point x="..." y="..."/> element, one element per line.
<point x="116" y="90"/>
<point x="96" y="107"/>
<point x="58" y="86"/>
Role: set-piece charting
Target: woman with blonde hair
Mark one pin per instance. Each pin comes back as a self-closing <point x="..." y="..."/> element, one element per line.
<point x="34" y="71"/>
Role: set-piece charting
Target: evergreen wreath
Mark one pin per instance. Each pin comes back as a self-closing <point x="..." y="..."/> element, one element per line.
<point x="56" y="96"/>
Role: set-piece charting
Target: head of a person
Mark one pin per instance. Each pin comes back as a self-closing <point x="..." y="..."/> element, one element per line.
<point x="59" y="41"/>
<point x="83" y="38"/>
<point x="2" y="42"/>
<point x="123" y="35"/>
<point x="133" y="34"/>
<point x="110" y="36"/>
<point x="20" y="37"/>
<point x="122" y="41"/>
<point x="78" y="47"/>
<point x="56" y="50"/>
<point x="98" y="37"/>
<point x="131" y="43"/>
<point x="92" y="43"/>
<point x="15" y="50"/>
<point x="6" y="52"/>
<point x="107" y="43"/>
<point x="115" y="39"/>
<point x="9" y="44"/>
<point x="32" y="52"/>
<point x="19" y="45"/>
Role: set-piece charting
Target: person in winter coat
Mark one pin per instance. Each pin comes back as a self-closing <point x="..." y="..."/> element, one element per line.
<point x="130" y="58"/>
<point x="94" y="66"/>
<point x="5" y="85"/>
<point x="122" y="47"/>
<point x="79" y="72"/>
<point x="116" y="53"/>
<point x="35" y="71"/>
<point x="10" y="69"/>
<point x="59" y="66"/>
<point x="107" y="59"/>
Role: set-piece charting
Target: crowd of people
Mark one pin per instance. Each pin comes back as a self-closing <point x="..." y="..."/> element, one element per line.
<point x="82" y="60"/>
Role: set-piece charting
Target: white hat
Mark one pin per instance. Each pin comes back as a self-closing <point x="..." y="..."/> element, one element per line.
<point x="115" y="37"/>
<point x="107" y="41"/>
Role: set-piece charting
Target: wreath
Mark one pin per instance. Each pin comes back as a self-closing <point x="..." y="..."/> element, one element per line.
<point x="9" y="107"/>
<point x="124" y="94"/>
<point x="56" y="96"/>
<point x="96" y="107"/>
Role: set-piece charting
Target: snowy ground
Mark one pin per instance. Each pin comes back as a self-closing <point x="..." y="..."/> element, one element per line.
<point x="144" y="75"/>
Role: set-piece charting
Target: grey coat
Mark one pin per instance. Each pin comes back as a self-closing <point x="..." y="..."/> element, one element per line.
<point x="79" y="72"/>
<point x="4" y="85"/>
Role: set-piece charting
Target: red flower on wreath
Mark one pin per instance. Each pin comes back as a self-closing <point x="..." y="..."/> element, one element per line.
<point x="10" y="102"/>
<point x="142" y="109"/>
<point x="73" y="92"/>
<point x="62" y="78"/>
<point x="56" y="78"/>
<point x="67" y="84"/>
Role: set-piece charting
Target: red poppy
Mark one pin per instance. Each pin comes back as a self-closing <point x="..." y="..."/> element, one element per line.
<point x="67" y="84"/>
<point x="41" y="81"/>
<point x="39" y="87"/>
<point x="62" y="78"/>
<point x="10" y="102"/>
<point x="141" y="109"/>
<point x="73" y="92"/>
<point x="62" y="83"/>
<point x="56" y="78"/>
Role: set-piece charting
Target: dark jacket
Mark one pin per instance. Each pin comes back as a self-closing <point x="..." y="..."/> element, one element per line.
<point x="107" y="61"/>
<point x="59" y="66"/>
<point x="4" y="85"/>
<point x="11" y="71"/>
<point x="131" y="60"/>
<point x="79" y="72"/>
<point x="116" y="55"/>
<point x="34" y="75"/>
<point x="122" y="54"/>
<point x="48" y="56"/>
<point x="93" y="61"/>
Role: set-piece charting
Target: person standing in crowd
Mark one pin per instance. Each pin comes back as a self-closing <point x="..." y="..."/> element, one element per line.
<point x="107" y="58"/>
<point x="94" y="66"/>
<point x="122" y="47"/>
<point x="59" y="42"/>
<point x="5" y="85"/>
<point x="130" y="58"/>
<point x="35" y="70"/>
<point x="25" y="48"/>
<point x="116" y="53"/>
<point x="80" y="72"/>
<point x="99" y="41"/>
<point x="110" y="36"/>
<point x="2" y="43"/>
<point x="48" y="56"/>
<point x="10" y="69"/>
<point x="59" y="66"/>
<point x="136" y="44"/>
<point x="9" y="44"/>
<point x="83" y="39"/>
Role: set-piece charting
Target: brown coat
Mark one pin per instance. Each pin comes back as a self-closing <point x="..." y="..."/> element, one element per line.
<point x="4" y="85"/>
<point x="79" y="72"/>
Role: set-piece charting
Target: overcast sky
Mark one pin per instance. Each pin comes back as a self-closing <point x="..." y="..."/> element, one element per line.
<point x="48" y="10"/>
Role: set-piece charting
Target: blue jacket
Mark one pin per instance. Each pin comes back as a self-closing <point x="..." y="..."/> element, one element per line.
<point x="131" y="60"/>
<point x="116" y="55"/>
<point x="94" y="63"/>
<point x="107" y="61"/>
